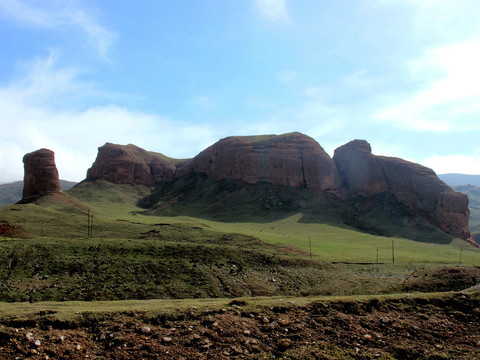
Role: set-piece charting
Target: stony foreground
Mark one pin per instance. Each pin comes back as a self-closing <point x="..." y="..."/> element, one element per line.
<point x="425" y="327"/>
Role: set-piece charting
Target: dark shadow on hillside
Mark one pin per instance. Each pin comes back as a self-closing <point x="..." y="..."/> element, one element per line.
<point x="233" y="201"/>
<point x="230" y="201"/>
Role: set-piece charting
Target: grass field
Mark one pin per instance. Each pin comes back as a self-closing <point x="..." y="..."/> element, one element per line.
<point x="135" y="256"/>
<point x="178" y="273"/>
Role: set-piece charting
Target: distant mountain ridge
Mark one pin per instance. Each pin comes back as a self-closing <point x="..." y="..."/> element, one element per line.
<point x="460" y="179"/>
<point x="12" y="192"/>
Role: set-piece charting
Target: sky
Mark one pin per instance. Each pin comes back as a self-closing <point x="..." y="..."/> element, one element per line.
<point x="175" y="76"/>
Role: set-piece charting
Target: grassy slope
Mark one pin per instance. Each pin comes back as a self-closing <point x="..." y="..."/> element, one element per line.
<point x="135" y="256"/>
<point x="330" y="242"/>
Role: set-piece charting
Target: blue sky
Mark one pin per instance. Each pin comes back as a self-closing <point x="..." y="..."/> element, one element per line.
<point x="175" y="76"/>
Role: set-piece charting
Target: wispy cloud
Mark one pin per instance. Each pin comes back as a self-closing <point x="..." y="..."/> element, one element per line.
<point x="448" y="98"/>
<point x="29" y="121"/>
<point x="60" y="15"/>
<point x="273" y="10"/>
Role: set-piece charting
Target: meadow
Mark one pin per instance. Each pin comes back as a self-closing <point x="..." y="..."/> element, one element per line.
<point x="211" y="289"/>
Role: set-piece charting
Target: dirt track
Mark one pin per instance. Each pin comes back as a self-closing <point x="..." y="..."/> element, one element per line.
<point x="442" y="327"/>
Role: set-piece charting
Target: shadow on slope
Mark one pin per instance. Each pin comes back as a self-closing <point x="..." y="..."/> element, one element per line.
<point x="232" y="201"/>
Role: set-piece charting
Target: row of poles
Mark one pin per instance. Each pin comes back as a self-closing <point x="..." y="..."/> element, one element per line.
<point x="393" y="252"/>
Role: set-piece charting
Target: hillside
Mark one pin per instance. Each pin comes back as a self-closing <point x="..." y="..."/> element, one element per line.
<point x="273" y="176"/>
<point x="245" y="289"/>
<point x="268" y="177"/>
<point x="50" y="256"/>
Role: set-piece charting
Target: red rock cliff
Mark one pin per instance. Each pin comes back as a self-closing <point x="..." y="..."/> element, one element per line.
<point x="414" y="186"/>
<point x="41" y="174"/>
<point x="291" y="159"/>
<point x="129" y="164"/>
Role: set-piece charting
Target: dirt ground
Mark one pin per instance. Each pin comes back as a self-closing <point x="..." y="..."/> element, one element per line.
<point x="413" y="327"/>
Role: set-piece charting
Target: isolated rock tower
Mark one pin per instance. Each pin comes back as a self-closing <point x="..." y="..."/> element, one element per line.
<point x="41" y="174"/>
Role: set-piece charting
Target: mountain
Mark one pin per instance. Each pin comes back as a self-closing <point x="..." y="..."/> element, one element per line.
<point x="12" y="192"/>
<point x="460" y="179"/>
<point x="271" y="176"/>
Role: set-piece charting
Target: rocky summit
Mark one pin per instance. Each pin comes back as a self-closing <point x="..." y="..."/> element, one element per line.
<point x="361" y="183"/>
<point x="41" y="174"/>
<point x="393" y="180"/>
<point x="129" y="164"/>
<point x="292" y="159"/>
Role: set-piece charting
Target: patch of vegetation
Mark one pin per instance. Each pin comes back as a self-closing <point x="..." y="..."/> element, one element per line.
<point x="48" y="254"/>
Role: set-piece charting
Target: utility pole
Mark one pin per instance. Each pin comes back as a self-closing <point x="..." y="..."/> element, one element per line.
<point x="88" y="223"/>
<point x="393" y="252"/>
<point x="310" y="243"/>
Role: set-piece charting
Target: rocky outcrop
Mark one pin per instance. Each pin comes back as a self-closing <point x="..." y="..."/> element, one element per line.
<point x="129" y="164"/>
<point x="414" y="187"/>
<point x="292" y="159"/>
<point x="358" y="181"/>
<point x="41" y="174"/>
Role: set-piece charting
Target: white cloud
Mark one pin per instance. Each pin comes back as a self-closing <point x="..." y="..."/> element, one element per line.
<point x="273" y="10"/>
<point x="60" y="15"/>
<point x="448" y="99"/>
<point x="459" y="163"/>
<point x="28" y="121"/>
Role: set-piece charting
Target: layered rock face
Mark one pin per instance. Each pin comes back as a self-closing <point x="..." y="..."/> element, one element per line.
<point x="129" y="164"/>
<point x="41" y="174"/>
<point x="292" y="159"/>
<point x="415" y="187"/>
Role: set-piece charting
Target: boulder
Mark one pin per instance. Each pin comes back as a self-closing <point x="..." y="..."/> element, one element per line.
<point x="41" y="174"/>
<point x="129" y="164"/>
<point x="293" y="159"/>
<point x="416" y="188"/>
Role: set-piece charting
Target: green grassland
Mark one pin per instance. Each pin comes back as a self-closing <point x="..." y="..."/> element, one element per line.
<point x="136" y="256"/>
<point x="328" y="241"/>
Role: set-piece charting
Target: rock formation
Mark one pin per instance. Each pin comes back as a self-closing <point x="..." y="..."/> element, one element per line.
<point x="415" y="187"/>
<point x="355" y="179"/>
<point x="41" y="174"/>
<point x="292" y="159"/>
<point x="129" y="164"/>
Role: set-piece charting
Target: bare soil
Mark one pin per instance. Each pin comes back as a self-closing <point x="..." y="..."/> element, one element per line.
<point x="440" y="326"/>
